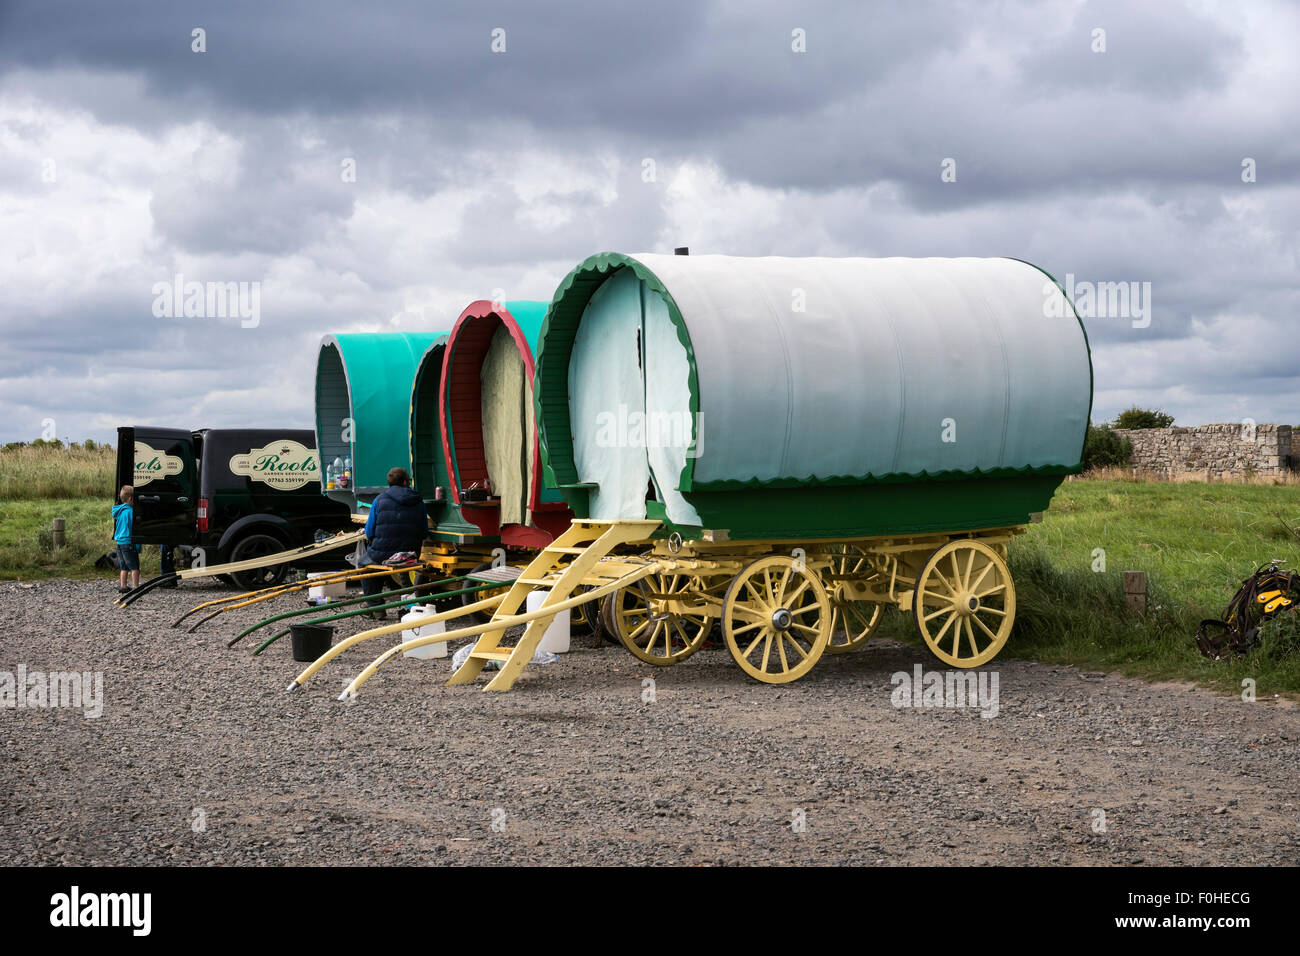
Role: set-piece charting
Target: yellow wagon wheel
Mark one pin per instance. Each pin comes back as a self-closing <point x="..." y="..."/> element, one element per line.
<point x="965" y="603"/>
<point x="585" y="619"/>
<point x="852" y="621"/>
<point x="662" y="621"/>
<point x="777" y="619"/>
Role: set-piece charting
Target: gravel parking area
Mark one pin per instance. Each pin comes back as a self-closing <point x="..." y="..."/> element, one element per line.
<point x="200" y="756"/>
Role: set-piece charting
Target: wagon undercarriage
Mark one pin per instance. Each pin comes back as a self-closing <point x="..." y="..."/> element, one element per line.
<point x="779" y="605"/>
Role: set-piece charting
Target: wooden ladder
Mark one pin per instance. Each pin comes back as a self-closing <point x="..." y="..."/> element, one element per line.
<point x="585" y="543"/>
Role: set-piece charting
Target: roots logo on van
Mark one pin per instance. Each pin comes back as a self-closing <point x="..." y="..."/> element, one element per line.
<point x="284" y="465"/>
<point x="153" y="465"/>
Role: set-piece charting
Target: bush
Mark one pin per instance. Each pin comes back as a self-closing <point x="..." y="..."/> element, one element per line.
<point x="1104" y="449"/>
<point x="1279" y="636"/>
<point x="1142" y="418"/>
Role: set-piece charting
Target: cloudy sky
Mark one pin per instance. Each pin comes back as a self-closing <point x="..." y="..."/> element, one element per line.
<point x="127" y="158"/>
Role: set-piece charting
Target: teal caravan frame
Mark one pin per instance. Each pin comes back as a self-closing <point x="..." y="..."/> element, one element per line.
<point x="363" y="391"/>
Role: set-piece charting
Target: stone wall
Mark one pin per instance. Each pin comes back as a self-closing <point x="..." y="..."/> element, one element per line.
<point x="1215" y="451"/>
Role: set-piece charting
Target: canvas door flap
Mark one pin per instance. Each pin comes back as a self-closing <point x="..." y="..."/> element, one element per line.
<point x="606" y="397"/>
<point x="668" y="420"/>
<point x="502" y="380"/>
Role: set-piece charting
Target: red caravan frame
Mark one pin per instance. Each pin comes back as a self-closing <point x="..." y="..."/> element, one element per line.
<point x="462" y="427"/>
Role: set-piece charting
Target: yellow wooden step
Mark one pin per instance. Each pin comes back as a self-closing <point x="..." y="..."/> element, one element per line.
<point x="545" y="571"/>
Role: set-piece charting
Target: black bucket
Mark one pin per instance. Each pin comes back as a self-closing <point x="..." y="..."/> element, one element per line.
<point x="310" y="641"/>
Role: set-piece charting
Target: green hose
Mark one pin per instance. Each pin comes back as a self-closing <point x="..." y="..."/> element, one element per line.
<point x="357" y="600"/>
<point x="440" y="596"/>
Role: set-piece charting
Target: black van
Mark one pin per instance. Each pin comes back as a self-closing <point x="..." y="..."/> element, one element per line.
<point x="229" y="494"/>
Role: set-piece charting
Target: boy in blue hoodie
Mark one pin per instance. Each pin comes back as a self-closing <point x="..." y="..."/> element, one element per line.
<point x="128" y="555"/>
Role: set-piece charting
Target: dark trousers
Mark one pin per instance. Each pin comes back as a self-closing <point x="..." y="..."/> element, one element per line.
<point x="374" y="585"/>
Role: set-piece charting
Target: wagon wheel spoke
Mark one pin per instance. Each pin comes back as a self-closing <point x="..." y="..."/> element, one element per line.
<point x="803" y="655"/>
<point x="653" y="636"/>
<point x="942" y="598"/>
<point x="952" y="616"/>
<point x="779" y="597"/>
<point x="795" y="596"/>
<point x="975" y="586"/>
<point x="754" y="643"/>
<point x="939" y="574"/>
<point x="985" y="628"/>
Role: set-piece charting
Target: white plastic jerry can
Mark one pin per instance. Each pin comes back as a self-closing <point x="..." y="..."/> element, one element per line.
<point x="556" y="638"/>
<point x="414" y="615"/>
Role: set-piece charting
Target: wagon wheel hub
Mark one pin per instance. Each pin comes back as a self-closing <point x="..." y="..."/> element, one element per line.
<point x="966" y="604"/>
<point x="782" y="619"/>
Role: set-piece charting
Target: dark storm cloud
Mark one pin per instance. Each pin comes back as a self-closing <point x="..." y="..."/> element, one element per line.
<point x="607" y="64"/>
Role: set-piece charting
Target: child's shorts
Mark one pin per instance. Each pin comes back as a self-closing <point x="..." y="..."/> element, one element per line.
<point x="128" y="557"/>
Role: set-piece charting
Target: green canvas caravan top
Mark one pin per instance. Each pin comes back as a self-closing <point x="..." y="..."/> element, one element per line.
<point x="781" y="397"/>
<point x="489" y="433"/>
<point x="363" y="394"/>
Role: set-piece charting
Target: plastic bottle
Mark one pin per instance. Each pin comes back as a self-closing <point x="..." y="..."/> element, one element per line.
<point x="329" y="477"/>
<point x="347" y="471"/>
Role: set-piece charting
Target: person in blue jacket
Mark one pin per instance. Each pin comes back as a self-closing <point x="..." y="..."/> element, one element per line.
<point x="128" y="555"/>
<point x="397" y="522"/>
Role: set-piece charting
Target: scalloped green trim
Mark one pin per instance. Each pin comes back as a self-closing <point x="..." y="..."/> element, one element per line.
<point x="955" y="474"/>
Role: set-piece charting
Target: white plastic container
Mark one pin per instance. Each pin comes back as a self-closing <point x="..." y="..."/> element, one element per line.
<point x="429" y="651"/>
<point x="556" y="638"/>
<point x="318" y="592"/>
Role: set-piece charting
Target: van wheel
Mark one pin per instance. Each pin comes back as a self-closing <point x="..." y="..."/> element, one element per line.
<point x="257" y="546"/>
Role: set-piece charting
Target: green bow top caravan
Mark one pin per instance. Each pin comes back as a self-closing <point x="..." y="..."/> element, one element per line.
<point x="429" y="472"/>
<point x="363" y="394"/>
<point x="770" y="398"/>
<point x="489" y="433"/>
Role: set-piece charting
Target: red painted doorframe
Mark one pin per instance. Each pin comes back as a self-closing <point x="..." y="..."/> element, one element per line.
<point x="460" y="405"/>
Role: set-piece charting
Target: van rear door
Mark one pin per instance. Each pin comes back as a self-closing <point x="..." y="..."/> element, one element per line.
<point x="159" y="463"/>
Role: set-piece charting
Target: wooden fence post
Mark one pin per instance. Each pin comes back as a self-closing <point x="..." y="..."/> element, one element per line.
<point x="1135" y="590"/>
<point x="58" y="532"/>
